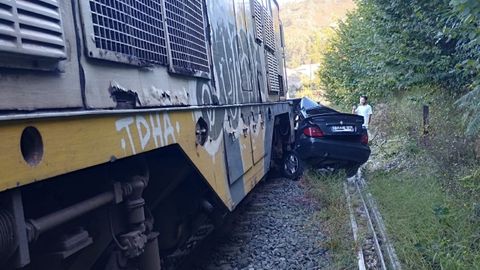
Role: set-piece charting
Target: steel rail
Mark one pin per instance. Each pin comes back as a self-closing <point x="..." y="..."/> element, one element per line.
<point x="378" y="248"/>
<point x="392" y="255"/>
<point x="353" y="222"/>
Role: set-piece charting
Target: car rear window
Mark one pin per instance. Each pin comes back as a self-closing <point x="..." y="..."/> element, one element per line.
<point x="312" y="107"/>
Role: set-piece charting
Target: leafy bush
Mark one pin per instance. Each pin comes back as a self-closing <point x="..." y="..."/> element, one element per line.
<point x="390" y="46"/>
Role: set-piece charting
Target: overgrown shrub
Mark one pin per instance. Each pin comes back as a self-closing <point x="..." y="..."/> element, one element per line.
<point x="399" y="130"/>
<point x="427" y="185"/>
<point x="386" y="47"/>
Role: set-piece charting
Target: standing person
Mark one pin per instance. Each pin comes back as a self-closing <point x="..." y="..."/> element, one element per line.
<point x="364" y="110"/>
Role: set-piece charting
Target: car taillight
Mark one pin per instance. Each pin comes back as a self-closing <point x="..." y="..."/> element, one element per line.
<point x="364" y="139"/>
<point x="314" y="132"/>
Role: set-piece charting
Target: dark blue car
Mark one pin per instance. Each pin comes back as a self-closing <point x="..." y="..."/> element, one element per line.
<point x="326" y="138"/>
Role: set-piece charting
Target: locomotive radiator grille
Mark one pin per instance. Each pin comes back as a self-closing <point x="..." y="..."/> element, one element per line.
<point x="31" y="28"/>
<point x="186" y="32"/>
<point x="273" y="78"/>
<point x="133" y="29"/>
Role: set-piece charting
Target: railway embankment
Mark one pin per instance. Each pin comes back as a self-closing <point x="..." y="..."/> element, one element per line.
<point x="424" y="175"/>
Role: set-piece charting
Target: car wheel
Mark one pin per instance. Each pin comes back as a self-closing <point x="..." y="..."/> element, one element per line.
<point x="292" y="166"/>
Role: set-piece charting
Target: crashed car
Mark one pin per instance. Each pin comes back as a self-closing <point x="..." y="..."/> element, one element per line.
<point x="326" y="138"/>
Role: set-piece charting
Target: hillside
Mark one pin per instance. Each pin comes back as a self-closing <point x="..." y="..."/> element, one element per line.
<point x="308" y="22"/>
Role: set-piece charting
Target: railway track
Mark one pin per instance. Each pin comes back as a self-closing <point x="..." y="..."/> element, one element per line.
<point x="274" y="228"/>
<point x="374" y="249"/>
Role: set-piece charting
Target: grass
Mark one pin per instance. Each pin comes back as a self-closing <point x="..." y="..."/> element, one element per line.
<point x="427" y="188"/>
<point x="334" y="217"/>
<point x="430" y="228"/>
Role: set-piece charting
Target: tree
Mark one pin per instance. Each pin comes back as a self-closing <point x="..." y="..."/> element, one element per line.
<point x="388" y="46"/>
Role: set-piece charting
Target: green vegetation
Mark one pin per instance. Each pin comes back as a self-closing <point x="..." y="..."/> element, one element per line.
<point x="430" y="230"/>
<point x="405" y="54"/>
<point x="334" y="217"/>
<point x="426" y="181"/>
<point x="308" y="26"/>
<point x="427" y="185"/>
<point x="389" y="47"/>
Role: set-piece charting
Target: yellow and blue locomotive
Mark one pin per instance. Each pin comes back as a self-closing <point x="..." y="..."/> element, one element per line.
<point x="129" y="128"/>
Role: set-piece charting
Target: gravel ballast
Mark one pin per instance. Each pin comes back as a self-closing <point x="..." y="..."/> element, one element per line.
<point x="274" y="228"/>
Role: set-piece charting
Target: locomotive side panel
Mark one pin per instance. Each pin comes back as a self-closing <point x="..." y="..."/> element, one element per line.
<point x="38" y="56"/>
<point x="238" y="59"/>
<point x="112" y="61"/>
<point x="279" y="41"/>
<point x="274" y="51"/>
<point x="235" y="65"/>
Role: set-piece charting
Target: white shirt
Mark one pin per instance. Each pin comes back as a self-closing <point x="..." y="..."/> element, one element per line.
<point x="365" y="111"/>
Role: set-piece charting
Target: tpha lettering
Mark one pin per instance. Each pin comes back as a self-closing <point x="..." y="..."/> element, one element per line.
<point x="148" y="128"/>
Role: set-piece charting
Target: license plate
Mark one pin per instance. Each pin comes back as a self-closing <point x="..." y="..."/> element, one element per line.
<point x="342" y="128"/>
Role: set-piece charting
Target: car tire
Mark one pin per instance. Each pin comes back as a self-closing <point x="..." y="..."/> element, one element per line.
<point x="292" y="166"/>
<point x="351" y="170"/>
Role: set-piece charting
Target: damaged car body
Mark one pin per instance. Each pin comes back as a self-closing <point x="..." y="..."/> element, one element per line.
<point x="326" y="138"/>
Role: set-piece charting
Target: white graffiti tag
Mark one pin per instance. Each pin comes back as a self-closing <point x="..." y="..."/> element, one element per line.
<point x="149" y="128"/>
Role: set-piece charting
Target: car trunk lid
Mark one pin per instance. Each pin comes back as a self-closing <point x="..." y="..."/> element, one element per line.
<point x="339" y="125"/>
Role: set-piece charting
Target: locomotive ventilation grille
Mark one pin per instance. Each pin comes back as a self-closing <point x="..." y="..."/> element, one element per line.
<point x="31" y="28"/>
<point x="258" y="13"/>
<point x="132" y="30"/>
<point x="269" y="31"/>
<point x="139" y="32"/>
<point x="273" y="79"/>
<point x="186" y="31"/>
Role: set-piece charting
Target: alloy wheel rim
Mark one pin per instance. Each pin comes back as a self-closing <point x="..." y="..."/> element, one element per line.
<point x="292" y="164"/>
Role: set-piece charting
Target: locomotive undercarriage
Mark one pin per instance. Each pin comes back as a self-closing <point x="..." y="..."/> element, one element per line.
<point x="120" y="215"/>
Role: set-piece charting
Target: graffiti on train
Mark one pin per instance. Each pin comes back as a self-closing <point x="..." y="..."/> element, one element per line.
<point x="238" y="66"/>
<point x="143" y="130"/>
<point x="236" y="58"/>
